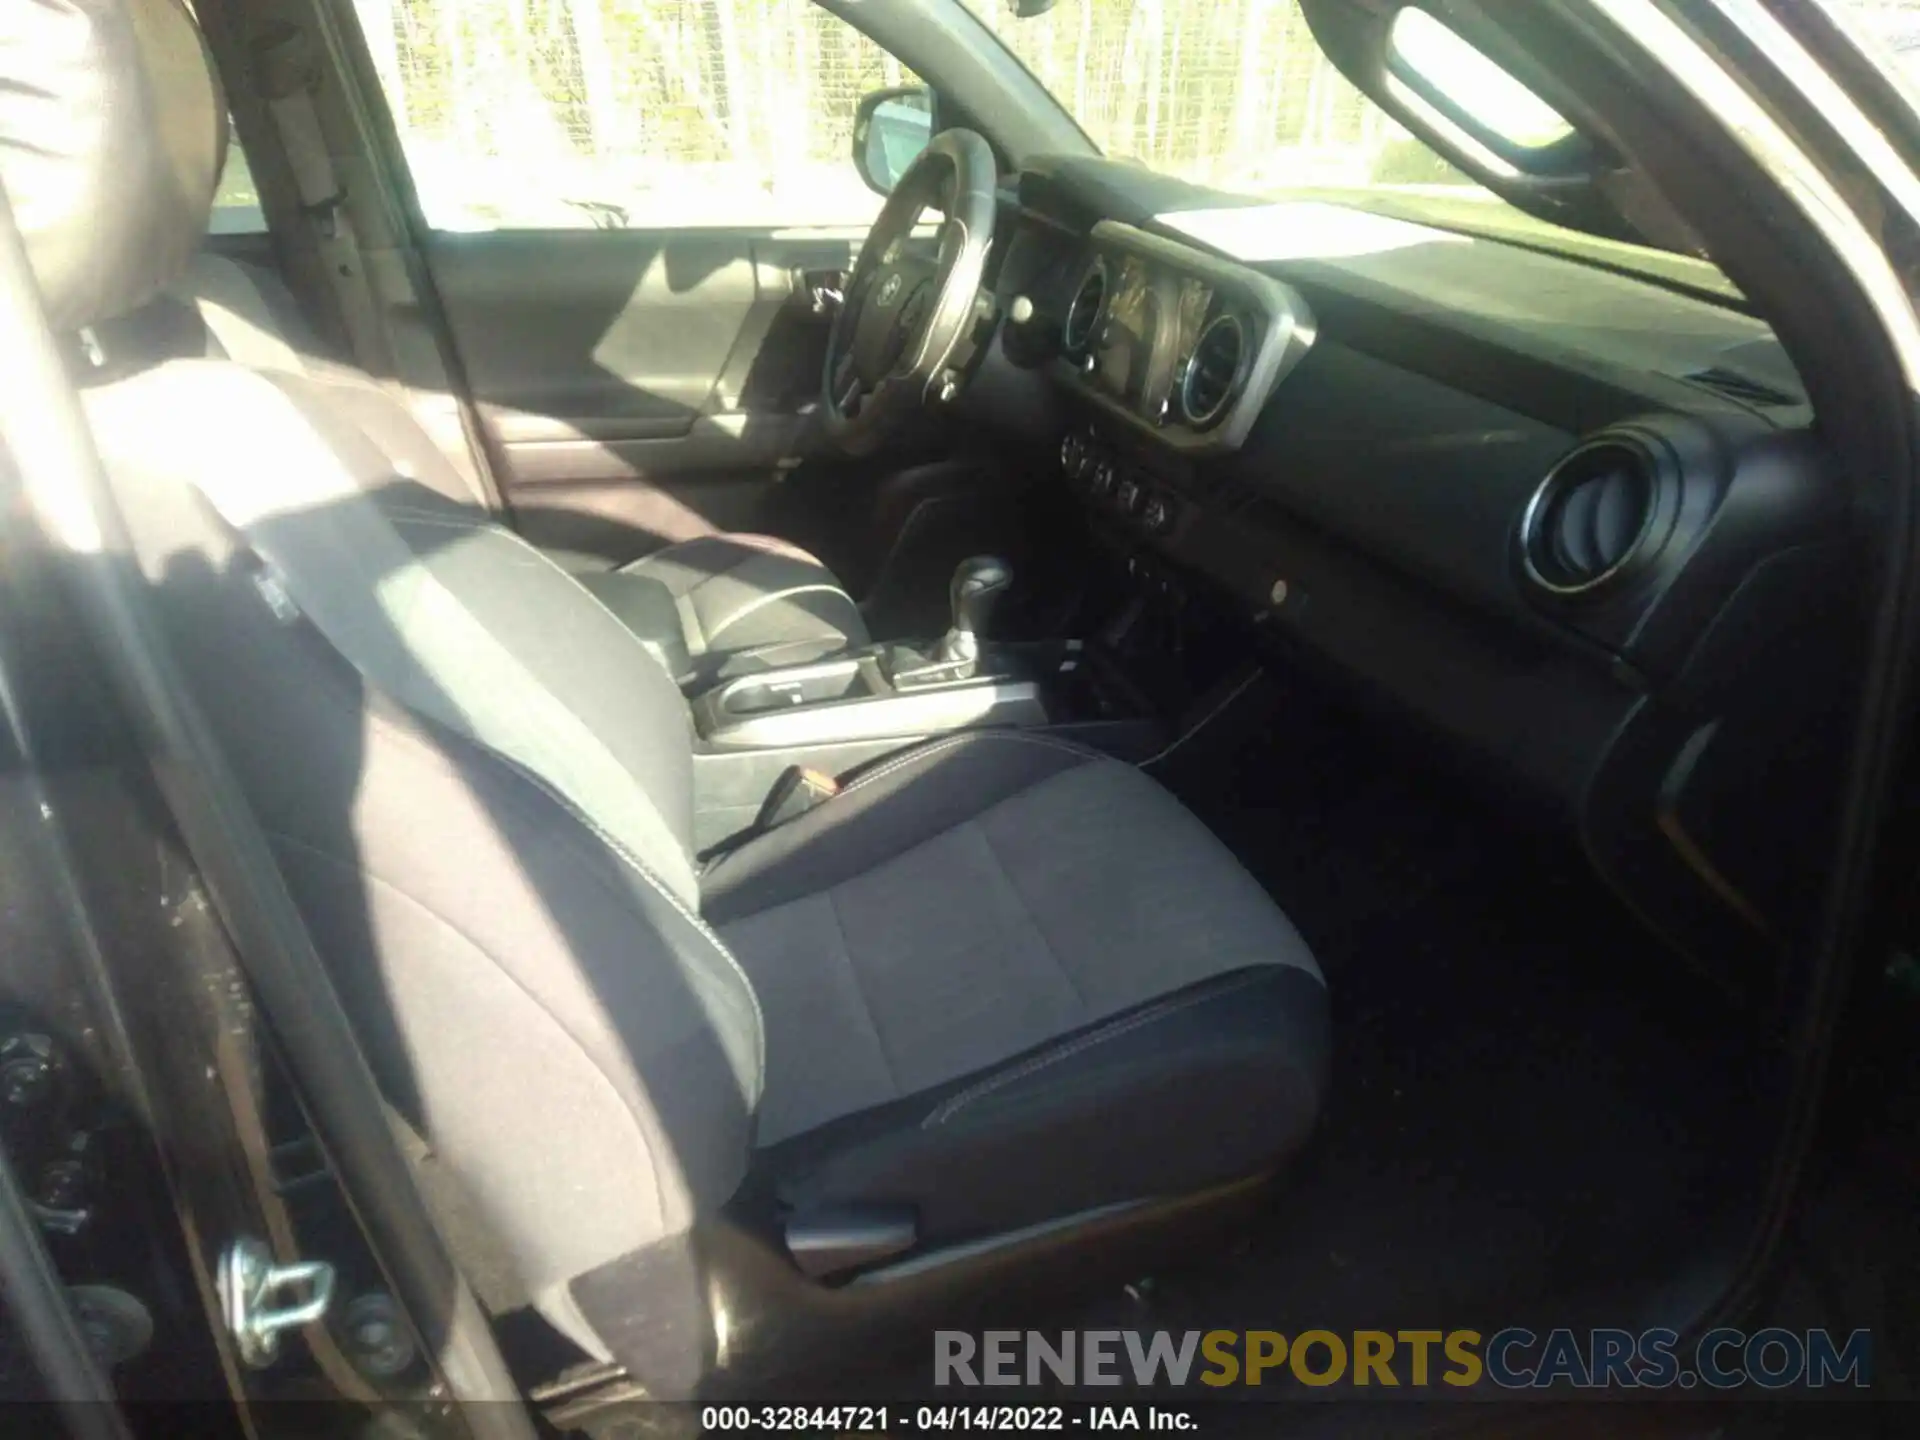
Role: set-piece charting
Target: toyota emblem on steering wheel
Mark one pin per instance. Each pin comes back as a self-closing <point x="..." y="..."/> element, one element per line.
<point x="889" y="291"/>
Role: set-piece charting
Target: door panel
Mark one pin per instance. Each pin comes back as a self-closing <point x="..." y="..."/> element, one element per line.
<point x="621" y="219"/>
<point x="639" y="387"/>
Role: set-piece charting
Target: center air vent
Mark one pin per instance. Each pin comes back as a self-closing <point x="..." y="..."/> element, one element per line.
<point x="1076" y="332"/>
<point x="1591" y="518"/>
<point x="1212" y="371"/>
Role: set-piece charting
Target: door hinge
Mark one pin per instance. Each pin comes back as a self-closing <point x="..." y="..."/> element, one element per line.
<point x="261" y="1298"/>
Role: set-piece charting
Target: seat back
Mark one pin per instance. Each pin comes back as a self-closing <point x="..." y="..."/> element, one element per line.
<point x="247" y="315"/>
<point x="476" y="782"/>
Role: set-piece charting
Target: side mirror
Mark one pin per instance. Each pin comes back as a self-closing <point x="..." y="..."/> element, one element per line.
<point x="890" y="129"/>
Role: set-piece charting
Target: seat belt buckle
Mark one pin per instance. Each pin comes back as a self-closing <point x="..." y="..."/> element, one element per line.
<point x="798" y="790"/>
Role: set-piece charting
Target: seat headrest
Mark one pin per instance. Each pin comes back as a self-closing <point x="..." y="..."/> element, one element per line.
<point x="113" y="132"/>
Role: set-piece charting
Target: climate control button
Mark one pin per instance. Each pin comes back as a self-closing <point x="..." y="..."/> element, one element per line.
<point x="1075" y="455"/>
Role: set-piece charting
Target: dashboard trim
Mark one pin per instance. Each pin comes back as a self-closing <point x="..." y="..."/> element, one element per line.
<point x="1070" y="345"/>
<point x="1284" y="325"/>
<point x="1205" y="419"/>
<point x="1666" y="701"/>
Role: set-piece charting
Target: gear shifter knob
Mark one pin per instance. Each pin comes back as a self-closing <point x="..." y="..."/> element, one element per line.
<point x="978" y="585"/>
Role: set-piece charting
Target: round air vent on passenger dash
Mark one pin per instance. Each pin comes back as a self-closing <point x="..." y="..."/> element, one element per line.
<point x="1590" y="518"/>
<point x="1212" y="371"/>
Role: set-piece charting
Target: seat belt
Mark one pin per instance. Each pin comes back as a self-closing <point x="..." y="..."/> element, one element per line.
<point x="799" y="789"/>
<point x="285" y="75"/>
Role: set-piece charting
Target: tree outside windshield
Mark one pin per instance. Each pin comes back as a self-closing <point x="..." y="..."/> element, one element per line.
<point x="739" y="112"/>
<point x="1237" y="94"/>
<point x="1230" y="93"/>
<point x="692" y="113"/>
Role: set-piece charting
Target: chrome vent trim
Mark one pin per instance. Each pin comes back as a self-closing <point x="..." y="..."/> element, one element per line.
<point x="1083" y="314"/>
<point x="1212" y="373"/>
<point x="1592" y="517"/>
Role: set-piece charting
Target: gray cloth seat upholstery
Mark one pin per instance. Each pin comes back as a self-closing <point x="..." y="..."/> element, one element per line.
<point x="1000" y="979"/>
<point x="997" y="941"/>
<point x="709" y="608"/>
<point x="737" y="603"/>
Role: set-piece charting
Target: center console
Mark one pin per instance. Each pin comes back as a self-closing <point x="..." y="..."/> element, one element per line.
<point x="835" y="715"/>
<point x="860" y="697"/>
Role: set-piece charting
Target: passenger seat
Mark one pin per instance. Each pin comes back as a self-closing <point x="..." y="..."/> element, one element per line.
<point x="999" y="1005"/>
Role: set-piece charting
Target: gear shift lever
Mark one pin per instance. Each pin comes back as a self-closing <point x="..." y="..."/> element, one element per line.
<point x="977" y="589"/>
<point x="978" y="585"/>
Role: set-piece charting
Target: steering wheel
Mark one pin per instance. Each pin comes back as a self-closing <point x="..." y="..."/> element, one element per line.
<point x="892" y="346"/>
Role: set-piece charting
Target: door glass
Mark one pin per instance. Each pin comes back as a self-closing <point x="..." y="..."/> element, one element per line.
<point x="649" y="114"/>
<point x="236" y="204"/>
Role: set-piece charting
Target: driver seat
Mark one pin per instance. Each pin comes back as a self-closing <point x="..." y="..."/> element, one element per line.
<point x="722" y="605"/>
<point x="709" y="608"/>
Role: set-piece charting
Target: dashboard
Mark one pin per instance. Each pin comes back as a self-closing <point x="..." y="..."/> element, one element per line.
<point x="1573" y="526"/>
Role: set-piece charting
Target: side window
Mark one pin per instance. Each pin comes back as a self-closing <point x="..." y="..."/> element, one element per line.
<point x="650" y="114"/>
<point x="236" y="204"/>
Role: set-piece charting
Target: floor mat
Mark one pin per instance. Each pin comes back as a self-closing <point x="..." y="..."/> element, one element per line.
<point x="1531" y="1095"/>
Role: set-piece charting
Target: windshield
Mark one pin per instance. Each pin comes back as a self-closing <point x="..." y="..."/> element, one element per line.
<point x="1238" y="95"/>
<point x="1229" y="93"/>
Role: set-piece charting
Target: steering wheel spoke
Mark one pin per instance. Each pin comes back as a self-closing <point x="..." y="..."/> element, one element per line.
<point x="902" y="317"/>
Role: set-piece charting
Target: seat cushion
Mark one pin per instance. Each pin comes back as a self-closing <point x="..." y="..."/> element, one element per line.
<point x="1002" y="950"/>
<point x="730" y="605"/>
